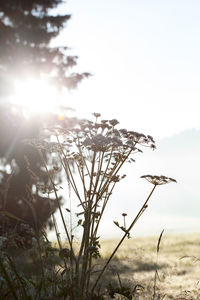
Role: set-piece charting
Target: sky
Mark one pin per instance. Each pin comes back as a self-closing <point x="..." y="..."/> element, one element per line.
<point x="144" y="59"/>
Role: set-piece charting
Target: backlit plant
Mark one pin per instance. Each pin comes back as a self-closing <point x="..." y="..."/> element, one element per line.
<point x="91" y="154"/>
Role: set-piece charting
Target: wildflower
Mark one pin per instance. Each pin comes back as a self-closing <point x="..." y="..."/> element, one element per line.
<point x="96" y="115"/>
<point x="113" y="122"/>
<point x="123" y="131"/>
<point x="116" y="132"/>
<point x="150" y="138"/>
<point x="158" y="180"/>
<point x="116" y="142"/>
<point x="130" y="144"/>
<point x="98" y="142"/>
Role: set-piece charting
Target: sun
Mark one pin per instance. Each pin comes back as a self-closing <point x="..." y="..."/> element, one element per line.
<point x="37" y="96"/>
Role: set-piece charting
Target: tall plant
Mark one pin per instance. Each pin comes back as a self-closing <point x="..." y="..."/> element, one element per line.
<point x="92" y="155"/>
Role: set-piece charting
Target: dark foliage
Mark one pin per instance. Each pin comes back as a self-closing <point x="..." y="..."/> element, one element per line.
<point x="21" y="171"/>
<point x="26" y="30"/>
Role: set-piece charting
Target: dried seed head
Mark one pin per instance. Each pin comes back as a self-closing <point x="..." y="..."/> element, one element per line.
<point x="158" y="180"/>
<point x="124" y="214"/>
<point x="97" y="115"/>
<point x="113" y="122"/>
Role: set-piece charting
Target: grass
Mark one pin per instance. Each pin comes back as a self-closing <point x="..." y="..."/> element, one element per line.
<point x="136" y="262"/>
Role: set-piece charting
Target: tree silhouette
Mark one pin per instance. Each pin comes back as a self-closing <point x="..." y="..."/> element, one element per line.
<point x="26" y="30"/>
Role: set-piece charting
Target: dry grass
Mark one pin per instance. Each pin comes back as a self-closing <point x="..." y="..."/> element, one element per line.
<point x="136" y="262"/>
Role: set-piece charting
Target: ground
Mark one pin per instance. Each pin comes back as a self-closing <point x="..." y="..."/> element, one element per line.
<point x="177" y="263"/>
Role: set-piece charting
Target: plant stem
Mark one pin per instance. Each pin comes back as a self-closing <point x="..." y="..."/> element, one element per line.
<point x="122" y="239"/>
<point x="87" y="225"/>
<point x="57" y="200"/>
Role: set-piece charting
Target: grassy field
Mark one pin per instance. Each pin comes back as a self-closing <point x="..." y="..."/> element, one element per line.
<point x="177" y="265"/>
<point x="137" y="262"/>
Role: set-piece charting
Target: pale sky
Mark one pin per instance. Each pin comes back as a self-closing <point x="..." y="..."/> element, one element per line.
<point x="145" y="59"/>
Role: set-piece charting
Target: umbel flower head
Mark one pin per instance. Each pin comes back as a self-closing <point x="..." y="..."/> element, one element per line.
<point x="158" y="180"/>
<point x="102" y="136"/>
<point x="96" y="136"/>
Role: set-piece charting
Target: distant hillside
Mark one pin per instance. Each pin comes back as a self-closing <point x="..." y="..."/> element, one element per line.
<point x="185" y="141"/>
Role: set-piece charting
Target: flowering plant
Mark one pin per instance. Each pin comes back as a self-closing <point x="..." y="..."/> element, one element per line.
<point x="91" y="154"/>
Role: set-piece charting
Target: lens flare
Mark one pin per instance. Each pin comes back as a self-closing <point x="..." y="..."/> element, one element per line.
<point x="36" y="96"/>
